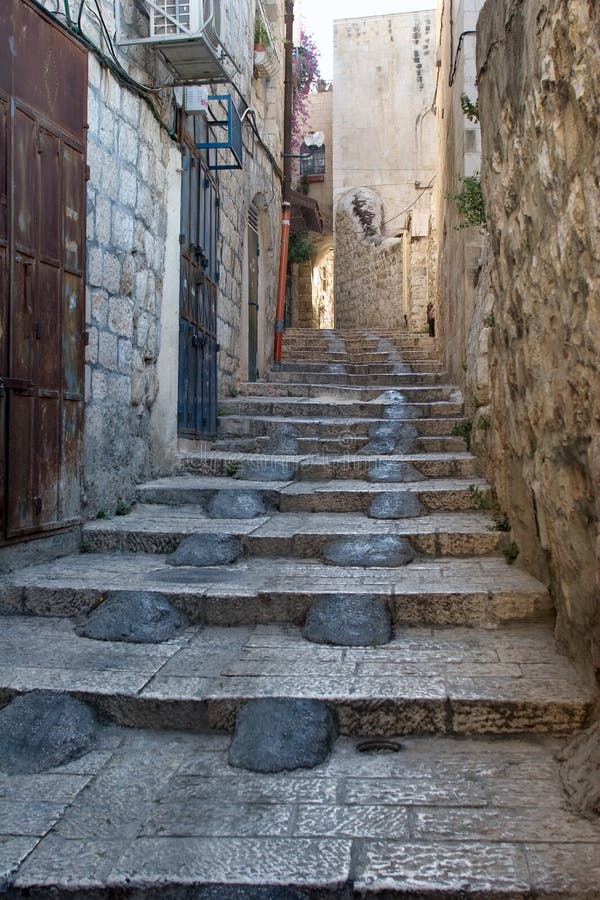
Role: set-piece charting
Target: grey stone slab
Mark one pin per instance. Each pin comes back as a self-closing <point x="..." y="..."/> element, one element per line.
<point x="428" y="869"/>
<point x="13" y="850"/>
<point x="348" y="620"/>
<point x="32" y="818"/>
<point x="100" y="681"/>
<point x="250" y="892"/>
<point x="426" y="785"/>
<point x="231" y="786"/>
<point x="354" y="822"/>
<point x="511" y="825"/>
<point x="571" y="870"/>
<point x="54" y="788"/>
<point x="266" y="470"/>
<point x="43" y="730"/>
<point x="272" y="861"/>
<point x="206" y="550"/>
<point x="72" y="864"/>
<point x="282" y="734"/>
<point x="206" y="818"/>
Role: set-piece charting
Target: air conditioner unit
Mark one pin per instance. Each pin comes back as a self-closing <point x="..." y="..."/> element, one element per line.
<point x="172" y="19"/>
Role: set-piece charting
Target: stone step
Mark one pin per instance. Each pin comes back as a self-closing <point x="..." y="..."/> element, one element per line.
<point x="413" y="393"/>
<point x="336" y="408"/>
<point x="395" y="380"/>
<point x="346" y="368"/>
<point x="346" y="443"/>
<point x="257" y="425"/>
<point x="464" y="592"/>
<point x="425" y="681"/>
<point x="163" y="814"/>
<point x="314" y="467"/>
<point x="329" y="496"/>
<point x="152" y="528"/>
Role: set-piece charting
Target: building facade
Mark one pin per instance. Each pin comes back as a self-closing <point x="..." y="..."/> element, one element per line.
<point x="159" y="288"/>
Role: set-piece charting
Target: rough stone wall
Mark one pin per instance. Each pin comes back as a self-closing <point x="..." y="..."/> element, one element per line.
<point x="323" y="292"/>
<point x="459" y="155"/>
<point x="539" y="84"/>
<point x="368" y="267"/>
<point x="420" y="283"/>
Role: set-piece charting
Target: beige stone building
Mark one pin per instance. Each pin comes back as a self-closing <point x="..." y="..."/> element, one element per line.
<point x="176" y="241"/>
<point x="384" y="162"/>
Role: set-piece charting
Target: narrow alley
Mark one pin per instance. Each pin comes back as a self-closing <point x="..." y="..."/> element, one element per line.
<point x="299" y="450"/>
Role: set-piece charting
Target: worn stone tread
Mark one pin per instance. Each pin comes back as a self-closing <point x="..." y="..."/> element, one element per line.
<point x="424" y="681"/>
<point x="148" y="808"/>
<point x="483" y="592"/>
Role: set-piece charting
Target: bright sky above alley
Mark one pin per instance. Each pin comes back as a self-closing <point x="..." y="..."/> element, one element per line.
<point x="319" y="16"/>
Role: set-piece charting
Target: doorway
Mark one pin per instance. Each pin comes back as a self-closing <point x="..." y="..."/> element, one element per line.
<point x="42" y="272"/>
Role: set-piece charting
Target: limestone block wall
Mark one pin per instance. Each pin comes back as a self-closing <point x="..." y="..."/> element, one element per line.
<point x="459" y="155"/>
<point x="368" y="266"/>
<point x="133" y="219"/>
<point x="539" y="83"/>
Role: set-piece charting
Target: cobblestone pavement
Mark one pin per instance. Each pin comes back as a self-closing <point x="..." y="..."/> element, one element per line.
<point x="444" y="781"/>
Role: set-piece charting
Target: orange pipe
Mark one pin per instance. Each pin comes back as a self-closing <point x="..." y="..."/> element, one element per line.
<point x="281" y="285"/>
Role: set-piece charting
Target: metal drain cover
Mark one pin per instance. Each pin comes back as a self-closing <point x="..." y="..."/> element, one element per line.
<point x="379" y="745"/>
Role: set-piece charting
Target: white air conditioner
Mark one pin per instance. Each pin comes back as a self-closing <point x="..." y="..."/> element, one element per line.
<point x="172" y="19"/>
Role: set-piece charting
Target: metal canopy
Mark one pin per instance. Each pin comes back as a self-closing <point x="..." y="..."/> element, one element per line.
<point x="232" y="141"/>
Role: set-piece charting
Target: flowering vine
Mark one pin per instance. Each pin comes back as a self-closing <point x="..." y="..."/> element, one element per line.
<point x="306" y="74"/>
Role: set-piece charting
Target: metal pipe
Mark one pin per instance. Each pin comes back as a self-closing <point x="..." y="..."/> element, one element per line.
<point x="287" y="184"/>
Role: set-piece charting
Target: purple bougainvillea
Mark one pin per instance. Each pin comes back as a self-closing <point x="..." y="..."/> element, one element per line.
<point x="306" y="74"/>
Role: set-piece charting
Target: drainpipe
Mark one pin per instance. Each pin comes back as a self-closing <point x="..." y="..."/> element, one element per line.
<point x="287" y="182"/>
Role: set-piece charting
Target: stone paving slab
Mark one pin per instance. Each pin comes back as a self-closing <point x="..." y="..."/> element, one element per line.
<point x="424" y="681"/>
<point x="166" y="812"/>
<point x="482" y="591"/>
<point x="160" y="529"/>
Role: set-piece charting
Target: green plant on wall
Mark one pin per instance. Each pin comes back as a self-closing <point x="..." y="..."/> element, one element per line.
<point x="300" y="249"/>
<point x="469" y="203"/>
<point x="470" y="108"/>
<point x="261" y="33"/>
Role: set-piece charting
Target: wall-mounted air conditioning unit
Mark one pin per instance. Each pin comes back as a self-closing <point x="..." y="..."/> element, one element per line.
<point x="187" y="33"/>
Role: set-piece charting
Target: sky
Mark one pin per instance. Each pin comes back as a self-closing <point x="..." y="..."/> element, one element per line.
<point x="319" y="15"/>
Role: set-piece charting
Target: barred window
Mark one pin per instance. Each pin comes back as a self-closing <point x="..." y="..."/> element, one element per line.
<point x="313" y="164"/>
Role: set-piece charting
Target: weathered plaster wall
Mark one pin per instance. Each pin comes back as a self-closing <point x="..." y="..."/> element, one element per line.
<point x="459" y="155"/>
<point x="539" y="83"/>
<point x="384" y="136"/>
<point x="368" y="266"/>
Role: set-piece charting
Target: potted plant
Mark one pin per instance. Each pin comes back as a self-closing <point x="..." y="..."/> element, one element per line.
<point x="261" y="37"/>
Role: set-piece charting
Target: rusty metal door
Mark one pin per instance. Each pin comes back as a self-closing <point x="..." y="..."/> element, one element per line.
<point x="197" y="389"/>
<point x="43" y="108"/>
<point x="253" y="257"/>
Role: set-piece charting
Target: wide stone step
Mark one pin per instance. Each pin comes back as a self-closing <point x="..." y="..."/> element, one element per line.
<point x="482" y="592"/>
<point x="413" y="394"/>
<point x="313" y="467"/>
<point x="346" y="443"/>
<point x="152" y="813"/>
<point x="426" y="681"/>
<point x="330" y="496"/>
<point x="257" y="425"/>
<point x="336" y="408"/>
<point x="426" y="375"/>
<point x="160" y="529"/>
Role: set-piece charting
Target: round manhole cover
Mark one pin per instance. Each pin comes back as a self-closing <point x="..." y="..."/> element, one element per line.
<point x="379" y="745"/>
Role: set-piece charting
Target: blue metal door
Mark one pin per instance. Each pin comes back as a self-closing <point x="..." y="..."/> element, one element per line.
<point x="197" y="397"/>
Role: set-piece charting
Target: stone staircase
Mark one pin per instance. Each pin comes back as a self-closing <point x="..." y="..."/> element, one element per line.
<point x="444" y="781"/>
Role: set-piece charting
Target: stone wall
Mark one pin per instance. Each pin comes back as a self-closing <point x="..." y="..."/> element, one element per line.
<point x="459" y="155"/>
<point x="369" y="286"/>
<point x="539" y="87"/>
<point x="133" y="247"/>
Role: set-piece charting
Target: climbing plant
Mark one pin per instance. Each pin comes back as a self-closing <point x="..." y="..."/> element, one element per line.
<point x="300" y="249"/>
<point x="469" y="203"/>
<point x="306" y="74"/>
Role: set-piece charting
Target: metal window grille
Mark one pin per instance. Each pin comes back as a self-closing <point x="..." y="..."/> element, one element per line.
<point x="313" y="164"/>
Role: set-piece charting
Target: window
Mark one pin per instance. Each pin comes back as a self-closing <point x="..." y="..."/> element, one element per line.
<point x="313" y="164"/>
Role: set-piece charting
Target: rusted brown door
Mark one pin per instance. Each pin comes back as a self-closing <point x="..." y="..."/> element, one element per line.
<point x="43" y="108"/>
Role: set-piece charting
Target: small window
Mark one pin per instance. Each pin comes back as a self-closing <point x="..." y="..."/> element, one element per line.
<point x="313" y="164"/>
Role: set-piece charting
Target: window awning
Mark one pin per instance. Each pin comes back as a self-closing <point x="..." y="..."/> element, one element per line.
<point x="306" y="215"/>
